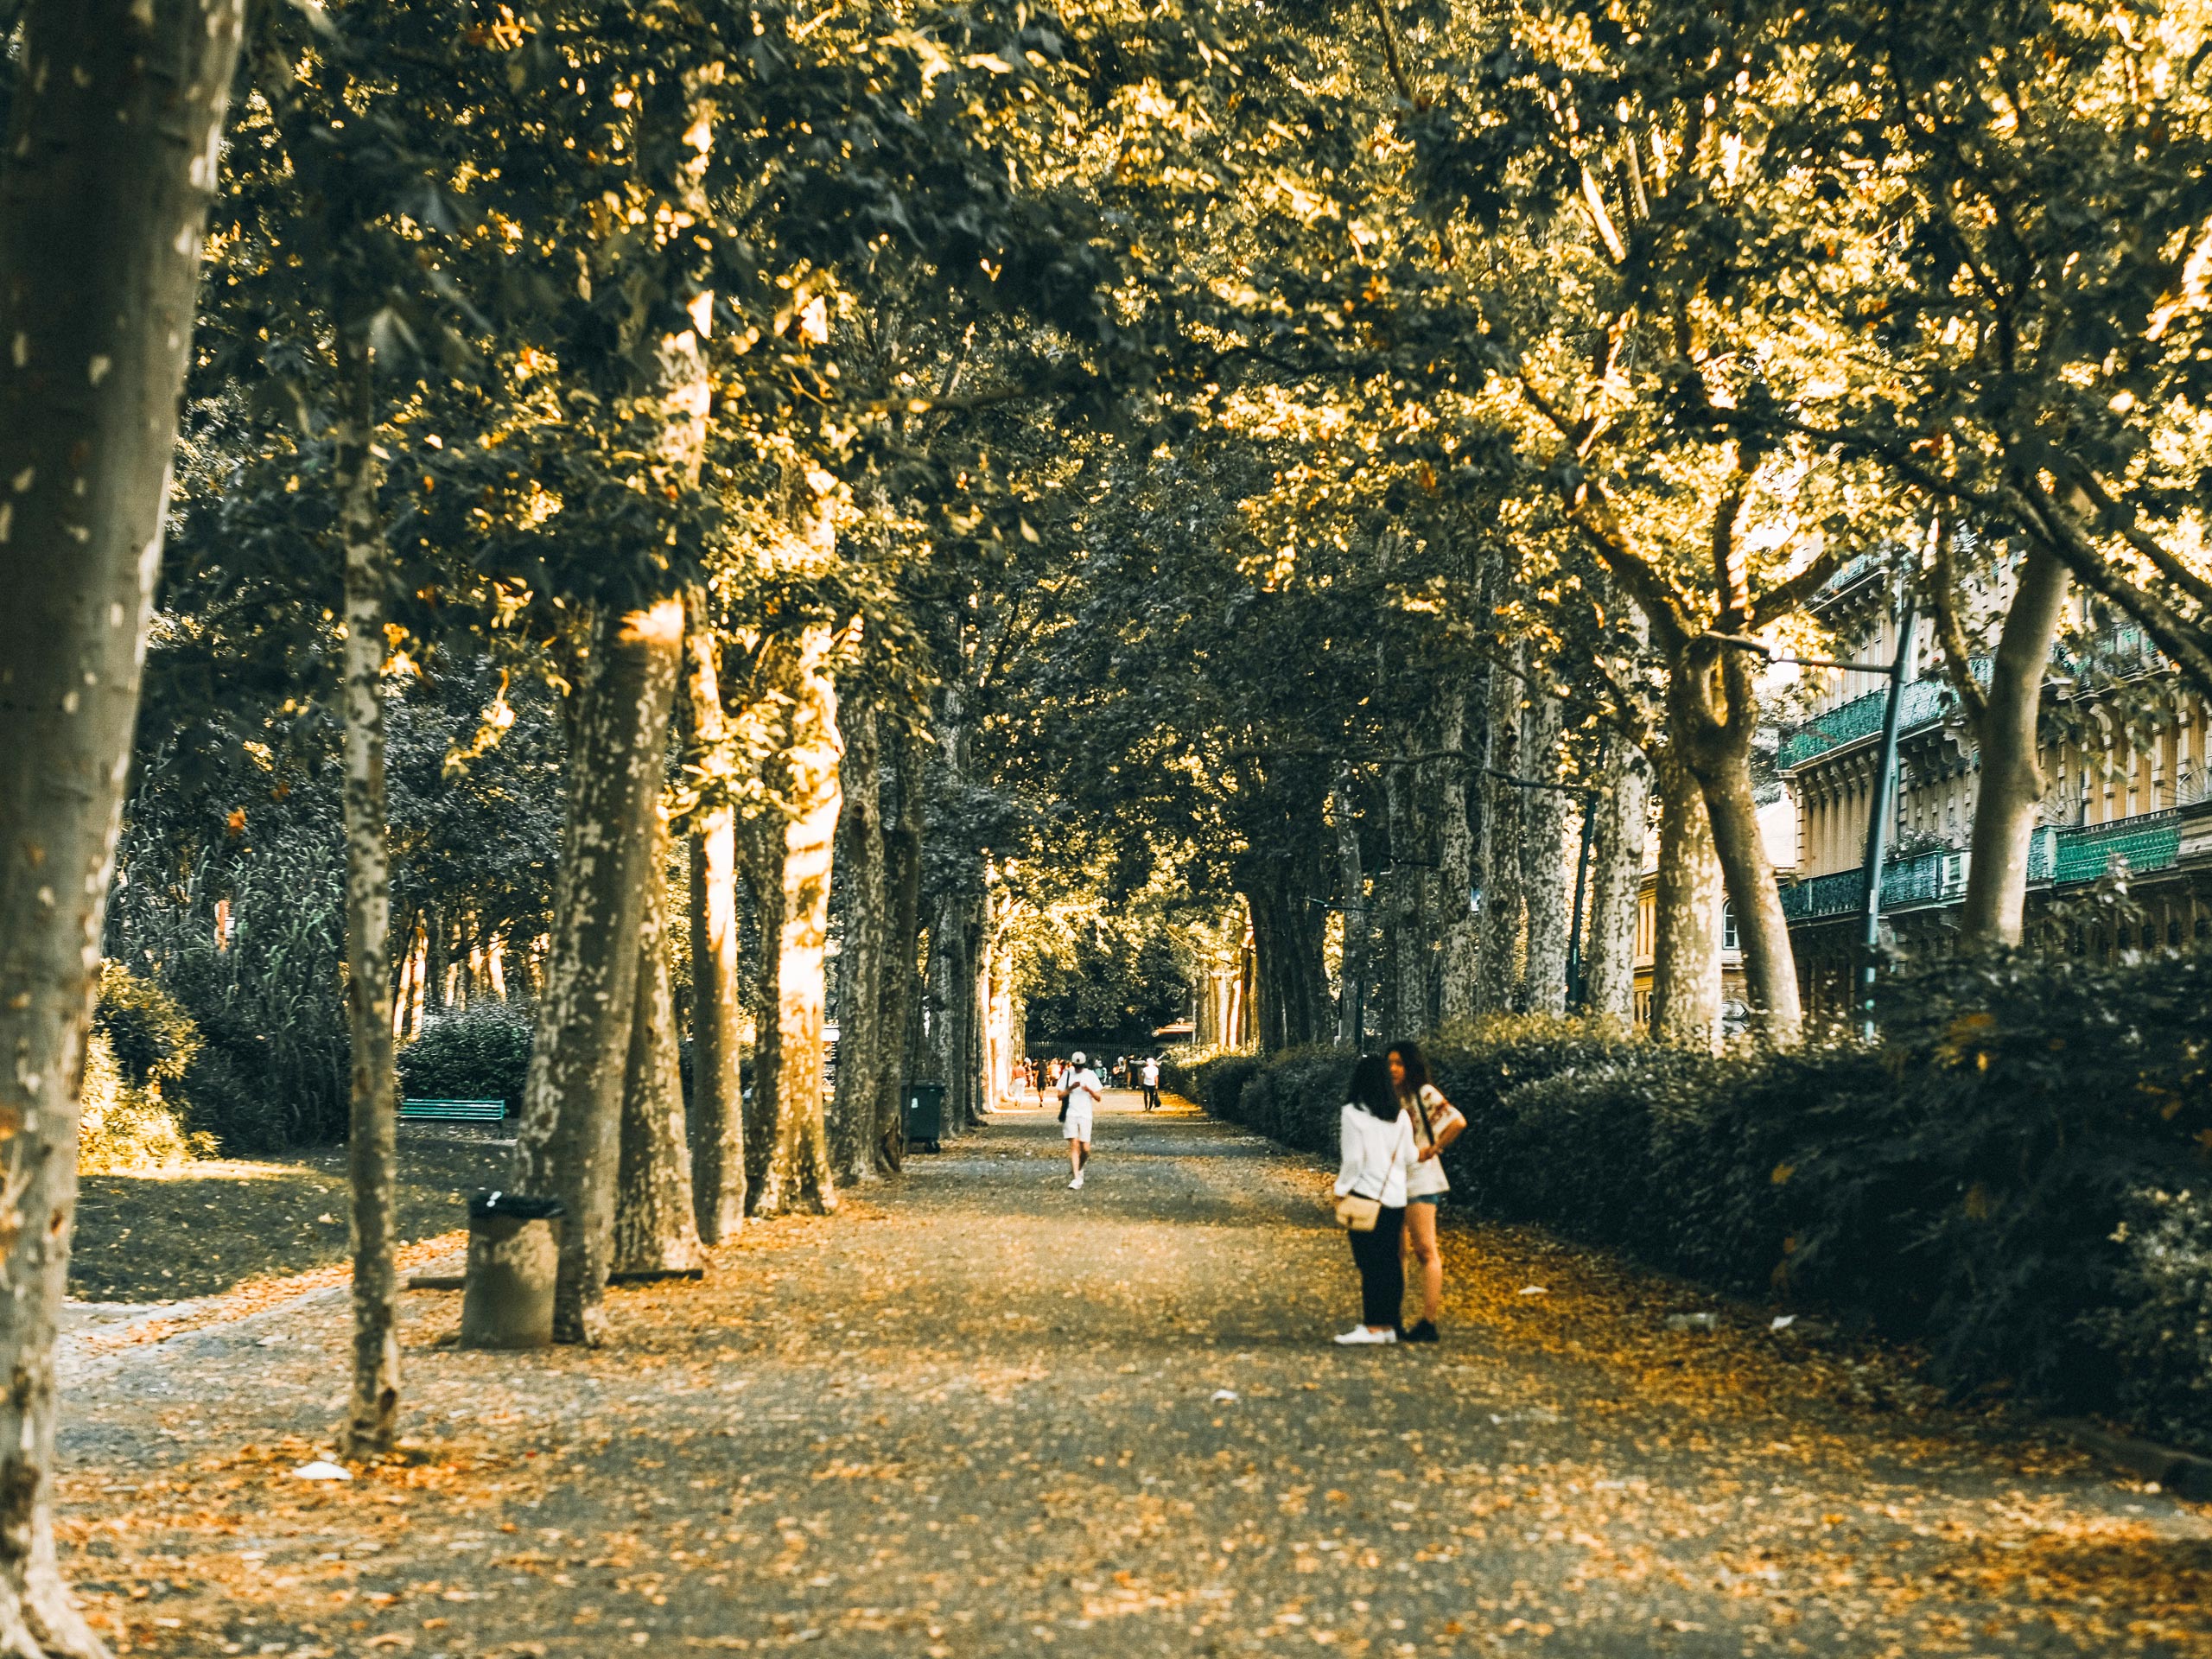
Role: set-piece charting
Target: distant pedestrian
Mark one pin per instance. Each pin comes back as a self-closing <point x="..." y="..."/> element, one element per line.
<point x="1377" y="1140"/>
<point x="1436" y="1124"/>
<point x="1083" y="1092"/>
<point x="1148" y="1074"/>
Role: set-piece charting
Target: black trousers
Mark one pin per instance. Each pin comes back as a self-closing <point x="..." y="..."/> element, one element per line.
<point x="1382" y="1270"/>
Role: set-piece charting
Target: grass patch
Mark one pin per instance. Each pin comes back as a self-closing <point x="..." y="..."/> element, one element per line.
<point x="200" y="1227"/>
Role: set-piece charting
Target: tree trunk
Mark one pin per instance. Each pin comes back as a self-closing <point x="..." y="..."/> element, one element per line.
<point x="568" y="1143"/>
<point x="796" y="1174"/>
<point x="1409" y="873"/>
<point x="2012" y="782"/>
<point x="761" y="855"/>
<point x="1351" y="998"/>
<point x="1686" y="953"/>
<point x="862" y="1032"/>
<point x="1498" y="959"/>
<point x="372" y="1138"/>
<point x="717" y="991"/>
<point x="1715" y="742"/>
<point x="109" y="160"/>
<point x="1544" y="874"/>
<point x="953" y="940"/>
<point x="1616" y="884"/>
<point x="655" y="1229"/>
<point x="1459" y="964"/>
<point x="902" y="975"/>
<point x="435" y="963"/>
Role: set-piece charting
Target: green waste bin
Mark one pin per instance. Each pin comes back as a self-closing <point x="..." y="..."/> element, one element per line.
<point x="925" y="1114"/>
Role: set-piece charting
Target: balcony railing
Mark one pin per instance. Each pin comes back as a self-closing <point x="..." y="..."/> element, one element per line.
<point x="1936" y="877"/>
<point x="2149" y="841"/>
<point x="1926" y="702"/>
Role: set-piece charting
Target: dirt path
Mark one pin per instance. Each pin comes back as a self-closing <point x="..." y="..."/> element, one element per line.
<point x="979" y="1415"/>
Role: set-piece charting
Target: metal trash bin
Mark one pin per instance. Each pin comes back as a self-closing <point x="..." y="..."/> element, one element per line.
<point x="925" y="1114"/>
<point x="514" y="1256"/>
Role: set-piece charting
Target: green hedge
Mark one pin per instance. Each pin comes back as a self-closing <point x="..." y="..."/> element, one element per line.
<point x="2017" y="1177"/>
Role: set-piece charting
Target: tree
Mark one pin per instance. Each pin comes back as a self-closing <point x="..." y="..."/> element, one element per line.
<point x="115" y="114"/>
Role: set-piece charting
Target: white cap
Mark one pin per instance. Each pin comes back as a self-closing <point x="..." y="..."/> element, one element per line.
<point x="1078" y="1057"/>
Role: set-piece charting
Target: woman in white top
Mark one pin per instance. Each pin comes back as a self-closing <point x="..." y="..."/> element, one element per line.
<point x="1436" y="1125"/>
<point x="1377" y="1142"/>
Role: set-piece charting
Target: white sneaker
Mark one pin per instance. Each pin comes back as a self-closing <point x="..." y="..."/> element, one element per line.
<point x="1360" y="1334"/>
<point x="1076" y="1185"/>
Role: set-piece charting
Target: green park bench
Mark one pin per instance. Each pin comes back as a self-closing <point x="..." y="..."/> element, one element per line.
<point x="454" y="1111"/>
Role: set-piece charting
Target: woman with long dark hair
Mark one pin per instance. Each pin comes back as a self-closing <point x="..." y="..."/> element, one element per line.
<point x="1436" y="1124"/>
<point x="1378" y="1146"/>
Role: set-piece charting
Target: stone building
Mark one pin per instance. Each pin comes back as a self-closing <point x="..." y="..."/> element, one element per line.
<point x="2124" y="764"/>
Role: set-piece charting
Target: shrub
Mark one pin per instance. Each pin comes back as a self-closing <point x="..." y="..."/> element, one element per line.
<point x="1996" y="1180"/>
<point x="125" y="1128"/>
<point x="273" y="1069"/>
<point x="150" y="1038"/>
<point x="479" y="1053"/>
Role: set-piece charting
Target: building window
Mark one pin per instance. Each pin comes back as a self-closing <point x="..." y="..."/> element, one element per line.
<point x="1728" y="927"/>
<point x="2173" y="929"/>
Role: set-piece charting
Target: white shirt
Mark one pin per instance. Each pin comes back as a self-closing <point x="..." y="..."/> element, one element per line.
<point x="1428" y="1174"/>
<point x="1377" y="1156"/>
<point x="1151" y="1074"/>
<point x="1085" y="1079"/>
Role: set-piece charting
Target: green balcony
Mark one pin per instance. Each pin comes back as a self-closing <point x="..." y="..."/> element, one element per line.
<point x="1938" y="877"/>
<point x="1926" y="702"/>
<point x="2150" y="840"/>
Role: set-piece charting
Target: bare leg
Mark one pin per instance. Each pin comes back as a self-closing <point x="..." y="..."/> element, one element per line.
<point x="1074" y="1158"/>
<point x="1421" y="1246"/>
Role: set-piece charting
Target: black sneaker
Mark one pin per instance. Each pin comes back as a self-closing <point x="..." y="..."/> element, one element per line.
<point x="1425" y="1331"/>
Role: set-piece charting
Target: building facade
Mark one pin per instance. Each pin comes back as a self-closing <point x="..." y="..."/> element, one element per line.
<point x="2124" y="765"/>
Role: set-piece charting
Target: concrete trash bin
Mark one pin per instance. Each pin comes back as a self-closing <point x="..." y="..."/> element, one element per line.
<point x="514" y="1255"/>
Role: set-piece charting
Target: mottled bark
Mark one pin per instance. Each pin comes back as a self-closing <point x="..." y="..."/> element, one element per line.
<point x="864" y="1036"/>
<point x="1460" y="934"/>
<point x="373" y="1137"/>
<point x="901" y="975"/>
<point x="2011" y="782"/>
<point x="104" y="180"/>
<point x="1498" y="957"/>
<point x="1686" y="965"/>
<point x="1712" y="710"/>
<point x="567" y="1144"/>
<point x="436" y="964"/>
<point x="760" y="862"/>
<point x="1544" y="872"/>
<point x="1290" y="975"/>
<point x="1617" y="882"/>
<point x="717" y="1127"/>
<point x="795" y="1170"/>
<point x="655" y="1228"/>
<point x="1351" y="998"/>
<point x="1409" y="882"/>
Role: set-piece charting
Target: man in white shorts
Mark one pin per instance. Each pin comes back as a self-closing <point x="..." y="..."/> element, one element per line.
<point x="1084" y="1091"/>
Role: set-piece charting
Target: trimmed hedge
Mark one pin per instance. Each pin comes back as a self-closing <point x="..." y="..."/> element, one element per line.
<point x="2015" y="1177"/>
<point x="477" y="1053"/>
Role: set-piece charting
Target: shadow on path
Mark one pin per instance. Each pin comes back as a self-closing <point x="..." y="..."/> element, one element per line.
<point x="978" y="1413"/>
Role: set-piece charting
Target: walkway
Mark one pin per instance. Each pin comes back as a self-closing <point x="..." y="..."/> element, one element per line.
<point x="980" y="1414"/>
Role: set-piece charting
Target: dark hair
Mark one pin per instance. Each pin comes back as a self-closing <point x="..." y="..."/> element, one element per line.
<point x="1416" y="1064"/>
<point x="1370" y="1088"/>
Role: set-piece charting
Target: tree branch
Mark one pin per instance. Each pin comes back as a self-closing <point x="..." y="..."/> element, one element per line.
<point x="1958" y="654"/>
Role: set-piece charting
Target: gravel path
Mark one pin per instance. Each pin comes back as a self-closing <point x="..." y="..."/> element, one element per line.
<point x="977" y="1414"/>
